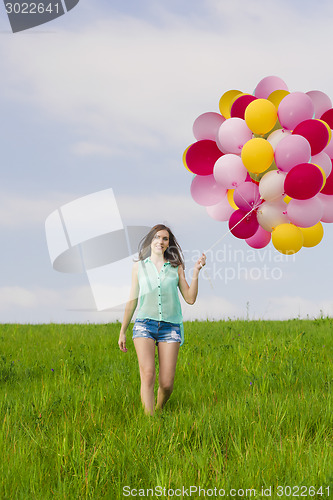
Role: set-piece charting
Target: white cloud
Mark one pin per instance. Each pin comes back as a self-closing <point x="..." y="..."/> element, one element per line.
<point x="126" y="82"/>
<point x="35" y="298"/>
<point x="211" y="308"/>
<point x="21" y="211"/>
<point x="286" y="307"/>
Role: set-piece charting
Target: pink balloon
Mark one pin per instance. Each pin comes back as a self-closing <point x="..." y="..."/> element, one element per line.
<point x="246" y="196"/>
<point x="291" y="151"/>
<point x="229" y="171"/>
<point x="305" y="213"/>
<point x="327" y="204"/>
<point x="267" y="85"/>
<point x="205" y="190"/>
<point x="303" y="181"/>
<point x="207" y="125"/>
<point x="329" y="149"/>
<point x="294" y="109"/>
<point x="221" y="211"/>
<point x="201" y="157"/>
<point x="321" y="102"/>
<point x="324" y="161"/>
<point x="233" y="134"/>
<point x="243" y="224"/>
<point x="260" y="239"/>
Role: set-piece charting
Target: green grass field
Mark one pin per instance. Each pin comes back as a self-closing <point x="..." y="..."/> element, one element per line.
<point x="251" y="414"/>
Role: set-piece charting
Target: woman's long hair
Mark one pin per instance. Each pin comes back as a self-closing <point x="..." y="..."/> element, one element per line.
<point x="173" y="253"/>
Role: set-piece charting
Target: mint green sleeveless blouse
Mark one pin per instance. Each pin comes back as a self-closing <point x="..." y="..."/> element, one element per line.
<point x="158" y="295"/>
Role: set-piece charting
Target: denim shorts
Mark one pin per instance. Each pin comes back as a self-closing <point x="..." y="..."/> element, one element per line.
<point x="160" y="331"/>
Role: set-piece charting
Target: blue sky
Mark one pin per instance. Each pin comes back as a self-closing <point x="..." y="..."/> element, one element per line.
<point x="105" y="97"/>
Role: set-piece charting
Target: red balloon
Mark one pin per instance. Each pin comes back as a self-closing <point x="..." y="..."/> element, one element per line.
<point x="201" y="157"/>
<point x="315" y="132"/>
<point x="303" y="181"/>
<point x="328" y="117"/>
<point x="328" y="188"/>
<point x="243" y="224"/>
<point x="239" y="106"/>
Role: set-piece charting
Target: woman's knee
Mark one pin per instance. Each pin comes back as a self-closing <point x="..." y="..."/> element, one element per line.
<point x="148" y="376"/>
<point x="166" y="385"/>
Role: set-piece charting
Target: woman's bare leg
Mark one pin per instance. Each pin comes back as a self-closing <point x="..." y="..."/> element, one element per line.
<point x="145" y="350"/>
<point x="167" y="355"/>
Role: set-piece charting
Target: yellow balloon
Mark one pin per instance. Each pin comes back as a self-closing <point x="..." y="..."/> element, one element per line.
<point x="277" y="96"/>
<point x="257" y="155"/>
<point x="184" y="158"/>
<point x="329" y="130"/>
<point x="260" y="116"/>
<point x="257" y="177"/>
<point x="235" y="98"/>
<point x="312" y="235"/>
<point x="323" y="174"/>
<point x="287" y="238"/>
<point x="287" y="199"/>
<point x="230" y="196"/>
<point x="226" y="102"/>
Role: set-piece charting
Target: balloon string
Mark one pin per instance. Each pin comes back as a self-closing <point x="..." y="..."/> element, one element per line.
<point x="229" y="230"/>
<point x="220" y="239"/>
<point x="233" y="227"/>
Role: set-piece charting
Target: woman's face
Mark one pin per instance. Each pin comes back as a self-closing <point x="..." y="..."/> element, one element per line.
<point x="160" y="242"/>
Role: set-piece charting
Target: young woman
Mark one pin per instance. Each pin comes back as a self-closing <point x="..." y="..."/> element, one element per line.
<point x="156" y="277"/>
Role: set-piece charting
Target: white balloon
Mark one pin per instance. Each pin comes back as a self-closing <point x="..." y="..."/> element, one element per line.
<point x="271" y="185"/>
<point x="275" y="137"/>
<point x="272" y="213"/>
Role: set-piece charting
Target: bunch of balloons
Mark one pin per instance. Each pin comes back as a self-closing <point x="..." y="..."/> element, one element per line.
<point x="264" y="163"/>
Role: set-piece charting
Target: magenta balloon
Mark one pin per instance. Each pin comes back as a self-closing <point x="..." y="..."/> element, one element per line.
<point x="324" y="161"/>
<point x="239" y="106"/>
<point x="205" y="190"/>
<point x="221" y="211"/>
<point x="207" y="125"/>
<point x="328" y="117"/>
<point x="305" y="213"/>
<point x="233" y="134"/>
<point x="267" y="85"/>
<point x="303" y="181"/>
<point x="294" y="109"/>
<point x="246" y="196"/>
<point x="243" y="224"/>
<point x="290" y="151"/>
<point x="321" y="102"/>
<point x="201" y="157"/>
<point x="260" y="239"/>
<point x="327" y="203"/>
<point x="229" y="171"/>
<point x="315" y="132"/>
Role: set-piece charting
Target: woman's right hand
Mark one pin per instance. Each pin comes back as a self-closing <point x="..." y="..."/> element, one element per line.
<point x="122" y="342"/>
